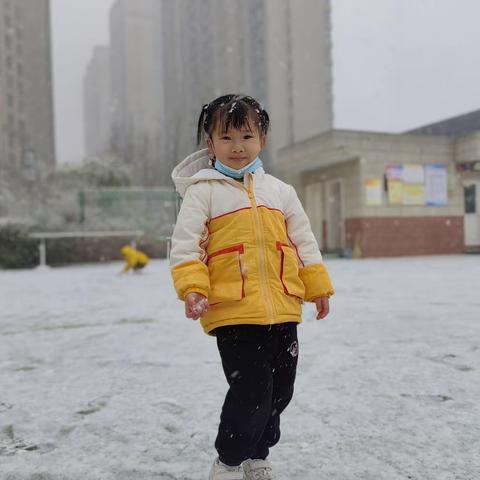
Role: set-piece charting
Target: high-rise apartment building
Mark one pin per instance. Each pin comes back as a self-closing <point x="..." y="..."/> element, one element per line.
<point x="97" y="103"/>
<point x="137" y="93"/>
<point x="299" y="69"/>
<point x="27" y="149"/>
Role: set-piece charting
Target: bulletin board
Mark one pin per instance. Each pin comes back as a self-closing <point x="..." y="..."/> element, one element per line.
<point x="414" y="184"/>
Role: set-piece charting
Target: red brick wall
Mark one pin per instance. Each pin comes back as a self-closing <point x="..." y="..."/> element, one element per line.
<point x="396" y="236"/>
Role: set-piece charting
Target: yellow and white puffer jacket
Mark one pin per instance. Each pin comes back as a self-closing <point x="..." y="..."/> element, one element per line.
<point x="248" y="247"/>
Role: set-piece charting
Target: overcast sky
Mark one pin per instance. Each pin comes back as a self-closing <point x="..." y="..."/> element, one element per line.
<point x="397" y="64"/>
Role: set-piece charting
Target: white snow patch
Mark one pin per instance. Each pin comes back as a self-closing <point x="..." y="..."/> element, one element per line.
<point x="102" y="376"/>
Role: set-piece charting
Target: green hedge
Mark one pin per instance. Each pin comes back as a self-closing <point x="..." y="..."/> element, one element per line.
<point x="17" y="249"/>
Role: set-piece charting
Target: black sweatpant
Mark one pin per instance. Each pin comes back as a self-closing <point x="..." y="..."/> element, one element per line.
<point x="260" y="364"/>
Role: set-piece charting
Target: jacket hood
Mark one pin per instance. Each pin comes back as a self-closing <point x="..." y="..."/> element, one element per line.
<point x="193" y="169"/>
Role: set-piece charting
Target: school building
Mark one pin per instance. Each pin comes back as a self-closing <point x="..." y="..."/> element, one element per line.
<point x="372" y="194"/>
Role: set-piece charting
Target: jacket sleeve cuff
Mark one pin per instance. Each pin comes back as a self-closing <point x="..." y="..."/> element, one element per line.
<point x="317" y="282"/>
<point x="195" y="290"/>
<point x="191" y="276"/>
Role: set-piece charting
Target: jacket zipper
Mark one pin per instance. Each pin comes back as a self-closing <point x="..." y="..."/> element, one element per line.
<point x="261" y="253"/>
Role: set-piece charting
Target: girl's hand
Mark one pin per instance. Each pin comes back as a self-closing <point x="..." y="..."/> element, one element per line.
<point x="323" y="307"/>
<point x="196" y="305"/>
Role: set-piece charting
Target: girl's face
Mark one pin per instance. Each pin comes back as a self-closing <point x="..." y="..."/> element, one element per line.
<point x="236" y="148"/>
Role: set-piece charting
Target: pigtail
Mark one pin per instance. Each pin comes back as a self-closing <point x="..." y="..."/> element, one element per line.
<point x="263" y="118"/>
<point x="201" y="123"/>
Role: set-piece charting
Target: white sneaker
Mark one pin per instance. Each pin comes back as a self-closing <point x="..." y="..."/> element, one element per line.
<point x="220" y="471"/>
<point x="257" y="469"/>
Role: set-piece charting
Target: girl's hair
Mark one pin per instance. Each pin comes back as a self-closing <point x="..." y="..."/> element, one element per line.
<point x="234" y="111"/>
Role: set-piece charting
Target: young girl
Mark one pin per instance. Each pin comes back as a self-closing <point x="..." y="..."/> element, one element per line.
<point x="243" y="259"/>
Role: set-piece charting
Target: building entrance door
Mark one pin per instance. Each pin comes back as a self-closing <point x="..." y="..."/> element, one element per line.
<point x="334" y="216"/>
<point x="471" y="191"/>
<point x="314" y="209"/>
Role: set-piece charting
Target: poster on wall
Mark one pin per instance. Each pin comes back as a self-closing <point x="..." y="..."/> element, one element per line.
<point x="373" y="190"/>
<point x="436" y="184"/>
<point x="413" y="184"/>
<point x="394" y="172"/>
<point x="413" y="174"/>
<point x="395" y="192"/>
<point x="413" y="194"/>
<point x="394" y="178"/>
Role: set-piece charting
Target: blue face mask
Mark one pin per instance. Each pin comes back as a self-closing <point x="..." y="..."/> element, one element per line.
<point x="232" y="172"/>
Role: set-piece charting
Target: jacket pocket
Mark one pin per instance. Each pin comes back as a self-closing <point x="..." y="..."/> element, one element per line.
<point x="292" y="285"/>
<point x="227" y="283"/>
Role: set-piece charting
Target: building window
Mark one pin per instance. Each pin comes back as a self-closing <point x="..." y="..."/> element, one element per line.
<point x="470" y="198"/>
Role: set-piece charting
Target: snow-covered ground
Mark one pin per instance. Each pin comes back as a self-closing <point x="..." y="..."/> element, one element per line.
<point x="102" y="377"/>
